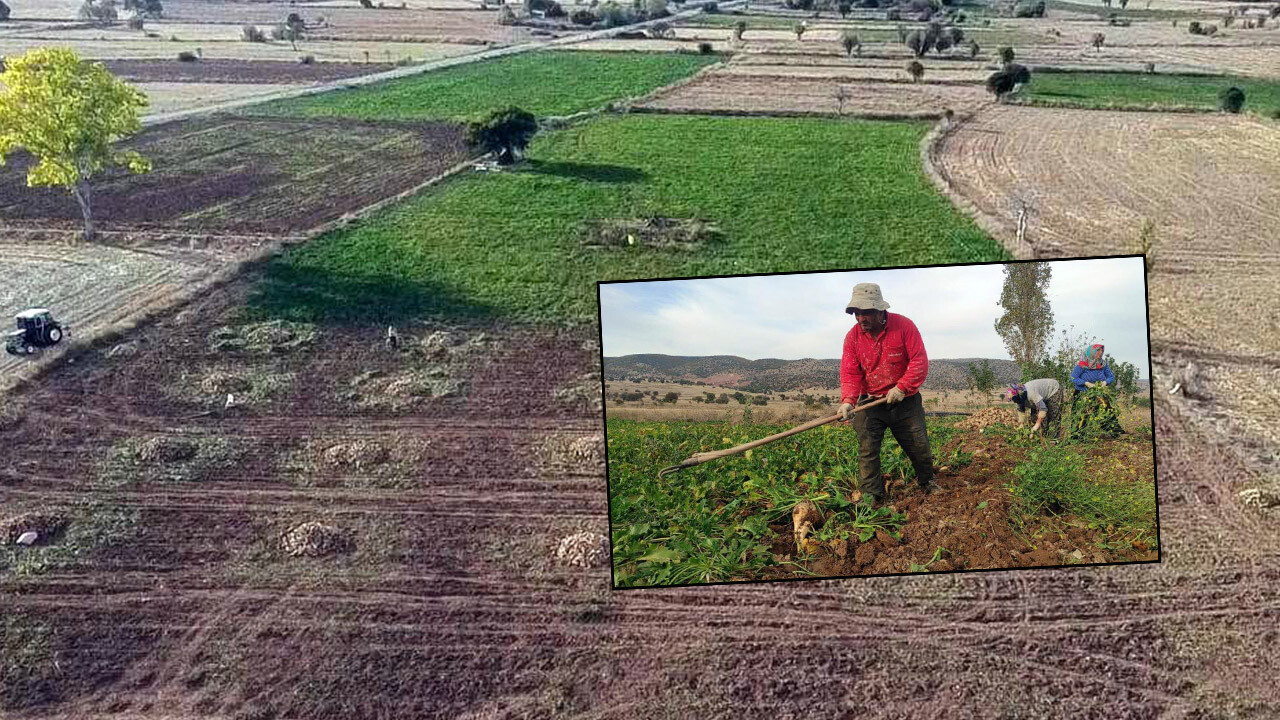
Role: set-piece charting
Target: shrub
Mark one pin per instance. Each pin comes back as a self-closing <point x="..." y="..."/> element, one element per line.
<point x="1231" y="100"/>
<point x="102" y="11"/>
<point x="849" y="41"/>
<point x="307" y="59"/>
<point x="916" y="70"/>
<point x="739" y="28"/>
<point x="582" y="17"/>
<point x="671" y="397"/>
<point x="1097" y="40"/>
<point x="187" y="56"/>
<point x="1002" y="82"/>
<point x="1005" y="54"/>
<point x="1193" y="27"/>
<point x="704" y="48"/>
<point x="711" y="8"/>
<point x="554" y="10"/>
<point x="844" y="7"/>
<point x="974" y="48"/>
<point x="799" y="29"/>
<point x="134" y="23"/>
<point x="614" y="15"/>
<point x="250" y="33"/>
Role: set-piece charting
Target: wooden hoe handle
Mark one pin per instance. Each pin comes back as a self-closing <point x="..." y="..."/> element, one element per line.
<point x="699" y="458"/>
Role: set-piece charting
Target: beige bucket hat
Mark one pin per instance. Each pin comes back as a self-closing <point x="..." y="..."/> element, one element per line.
<point x="866" y="295"/>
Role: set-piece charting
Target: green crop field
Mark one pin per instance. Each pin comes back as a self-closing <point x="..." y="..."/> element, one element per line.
<point x="787" y="194"/>
<point x="711" y="522"/>
<point x="544" y="83"/>
<point x="1142" y="90"/>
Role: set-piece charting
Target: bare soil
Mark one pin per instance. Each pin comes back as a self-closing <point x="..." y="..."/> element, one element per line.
<point x="452" y="603"/>
<point x="240" y="174"/>
<point x="241" y="72"/>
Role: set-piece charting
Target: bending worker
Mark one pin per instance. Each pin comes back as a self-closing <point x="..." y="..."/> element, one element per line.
<point x="884" y="357"/>
<point x="1043" y="397"/>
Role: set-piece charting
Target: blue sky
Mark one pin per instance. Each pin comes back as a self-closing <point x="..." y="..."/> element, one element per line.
<point x="802" y="316"/>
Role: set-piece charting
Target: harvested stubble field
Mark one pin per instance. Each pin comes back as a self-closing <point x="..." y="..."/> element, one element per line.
<point x="449" y="600"/>
<point x="1212" y="247"/>
<point x="93" y="287"/>
<point x="168" y="97"/>
<point x="748" y="91"/>
<point x="351" y="22"/>
<point x="135" y="46"/>
<point x="260" y="175"/>
<point x="1250" y="61"/>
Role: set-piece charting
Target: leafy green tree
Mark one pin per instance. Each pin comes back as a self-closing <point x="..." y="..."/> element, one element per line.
<point x="1126" y="375"/>
<point x="671" y="397"/>
<point x="849" y="41"/>
<point x="982" y="379"/>
<point x="1231" y="100"/>
<point x="506" y="132"/>
<point x="68" y="114"/>
<point x="1027" y="321"/>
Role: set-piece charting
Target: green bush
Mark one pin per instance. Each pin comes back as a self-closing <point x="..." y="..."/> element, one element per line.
<point x="1231" y="100"/>
<point x="1054" y="481"/>
<point x="704" y="48"/>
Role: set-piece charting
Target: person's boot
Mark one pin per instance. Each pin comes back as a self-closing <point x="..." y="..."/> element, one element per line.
<point x="870" y="501"/>
<point x="930" y="488"/>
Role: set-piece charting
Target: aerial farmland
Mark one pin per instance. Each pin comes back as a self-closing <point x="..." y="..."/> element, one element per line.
<point x="327" y="440"/>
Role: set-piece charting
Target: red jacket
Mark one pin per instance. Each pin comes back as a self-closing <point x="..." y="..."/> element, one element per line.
<point x="873" y="365"/>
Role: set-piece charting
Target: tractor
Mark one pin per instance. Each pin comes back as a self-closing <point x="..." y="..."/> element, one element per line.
<point x="36" y="329"/>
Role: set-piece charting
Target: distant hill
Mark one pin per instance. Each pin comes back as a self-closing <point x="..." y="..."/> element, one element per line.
<point x="773" y="375"/>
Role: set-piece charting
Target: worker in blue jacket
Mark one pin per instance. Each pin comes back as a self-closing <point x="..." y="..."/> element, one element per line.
<point x="1092" y="370"/>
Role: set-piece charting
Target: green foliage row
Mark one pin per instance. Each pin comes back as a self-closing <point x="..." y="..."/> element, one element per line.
<point x="1145" y="90"/>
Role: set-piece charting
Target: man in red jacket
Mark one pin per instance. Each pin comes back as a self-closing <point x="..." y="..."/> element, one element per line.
<point x="884" y="357"/>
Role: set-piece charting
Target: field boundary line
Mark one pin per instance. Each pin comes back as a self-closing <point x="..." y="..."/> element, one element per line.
<point x="930" y="148"/>
<point x="441" y="64"/>
<point x="726" y="112"/>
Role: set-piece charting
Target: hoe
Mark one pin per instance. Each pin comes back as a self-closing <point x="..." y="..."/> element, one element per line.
<point x="699" y="458"/>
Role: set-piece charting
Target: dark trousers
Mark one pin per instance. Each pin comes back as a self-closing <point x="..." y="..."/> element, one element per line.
<point x="906" y="421"/>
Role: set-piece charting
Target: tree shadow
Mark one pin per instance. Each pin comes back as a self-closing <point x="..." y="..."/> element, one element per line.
<point x="308" y="294"/>
<point x="585" y="171"/>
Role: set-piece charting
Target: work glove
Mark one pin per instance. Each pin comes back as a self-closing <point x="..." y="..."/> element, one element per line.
<point x="895" y="396"/>
<point x="1088" y="384"/>
<point x="846" y="411"/>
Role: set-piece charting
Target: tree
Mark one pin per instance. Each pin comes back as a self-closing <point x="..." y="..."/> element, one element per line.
<point x="799" y="30"/>
<point x="849" y="41"/>
<point x="294" y="27"/>
<point x="1006" y="55"/>
<point x="842" y="95"/>
<point x="68" y="114"/>
<point x="845" y="7"/>
<point x="974" y="48"/>
<point x="506" y="132"/>
<point x="4" y="12"/>
<point x="943" y="43"/>
<point x="1126" y="375"/>
<point x="99" y="11"/>
<point x="660" y="30"/>
<point x="982" y="379"/>
<point x="723" y="399"/>
<point x="150" y="8"/>
<point x="1027" y="321"/>
<point x="916" y="70"/>
<point x="739" y="28"/>
<point x="1006" y="80"/>
<point x="671" y="397"/>
<point x="1097" y="40"/>
<point x="1231" y="100"/>
<point x="920" y="42"/>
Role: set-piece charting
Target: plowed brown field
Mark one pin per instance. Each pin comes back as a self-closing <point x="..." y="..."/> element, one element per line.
<point x="453" y="606"/>
<point x="249" y="175"/>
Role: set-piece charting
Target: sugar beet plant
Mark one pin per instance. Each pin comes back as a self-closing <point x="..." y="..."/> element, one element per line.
<point x="1054" y="481"/>
<point x="711" y="523"/>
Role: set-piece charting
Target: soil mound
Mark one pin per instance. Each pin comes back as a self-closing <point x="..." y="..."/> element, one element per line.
<point x="166" y="449"/>
<point x="987" y="417"/>
<point x="264" y="337"/>
<point x="219" y="382"/>
<point x="313" y="539"/>
<point x="584" y="549"/>
<point x="357" y="454"/>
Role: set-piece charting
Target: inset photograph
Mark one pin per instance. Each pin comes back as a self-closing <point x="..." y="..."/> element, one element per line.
<point x="893" y="421"/>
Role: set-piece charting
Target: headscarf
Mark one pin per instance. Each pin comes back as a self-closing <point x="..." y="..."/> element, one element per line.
<point x="1018" y="394"/>
<point x="1092" y="358"/>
